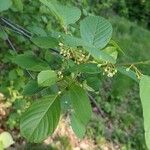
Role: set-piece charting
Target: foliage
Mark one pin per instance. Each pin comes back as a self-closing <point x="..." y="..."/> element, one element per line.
<point x="64" y="59"/>
<point x="5" y="4"/>
<point x="144" y="93"/>
<point x="41" y="119"/>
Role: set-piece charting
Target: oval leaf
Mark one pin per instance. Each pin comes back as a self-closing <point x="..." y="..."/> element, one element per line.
<point x="100" y="55"/>
<point x="30" y="62"/>
<point x="65" y="14"/>
<point x="81" y="104"/>
<point x="131" y="74"/>
<point x="145" y="99"/>
<point x="47" y="78"/>
<point x="41" y="119"/>
<point x="85" y="68"/>
<point x="77" y="126"/>
<point x="45" y="42"/>
<point x="96" y="31"/>
<point x="31" y="88"/>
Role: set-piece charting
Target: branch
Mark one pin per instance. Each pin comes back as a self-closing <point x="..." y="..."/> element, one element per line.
<point x="16" y="28"/>
<point x="19" y="30"/>
<point x="11" y="45"/>
<point x="96" y="105"/>
<point x="13" y="48"/>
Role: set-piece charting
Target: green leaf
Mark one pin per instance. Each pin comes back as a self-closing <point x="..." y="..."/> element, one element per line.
<point x="72" y="41"/>
<point x="112" y="51"/>
<point x="65" y="14"/>
<point x="81" y="104"/>
<point x="126" y="83"/>
<point x="45" y="42"/>
<point x="85" y="68"/>
<point x="69" y="40"/>
<point x="37" y="31"/>
<point x="145" y="99"/>
<point x="18" y="5"/>
<point x="30" y="62"/>
<point x="131" y="74"/>
<point x="77" y="126"/>
<point x="5" y="4"/>
<point x="6" y="139"/>
<point x="96" y="31"/>
<point x="100" y="55"/>
<point x="47" y="78"/>
<point x="41" y="119"/>
<point x="31" y="88"/>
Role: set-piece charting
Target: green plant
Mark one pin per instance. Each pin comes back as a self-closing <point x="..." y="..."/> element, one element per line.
<point x="58" y="68"/>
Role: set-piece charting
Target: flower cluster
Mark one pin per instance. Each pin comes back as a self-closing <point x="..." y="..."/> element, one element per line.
<point x="109" y="69"/>
<point x="78" y="56"/>
<point x="60" y="75"/>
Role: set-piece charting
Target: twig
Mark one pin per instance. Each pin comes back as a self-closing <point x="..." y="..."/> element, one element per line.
<point x="96" y="105"/>
<point x="11" y="45"/>
<point x="54" y="50"/>
<point x="147" y="62"/>
<point x="16" y="28"/>
<point x="20" y="30"/>
<point x="13" y="48"/>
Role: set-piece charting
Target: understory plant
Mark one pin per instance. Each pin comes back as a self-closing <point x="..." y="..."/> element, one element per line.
<point x="56" y="69"/>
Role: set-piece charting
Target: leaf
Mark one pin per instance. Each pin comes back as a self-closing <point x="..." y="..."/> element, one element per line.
<point x="37" y="31"/>
<point x="18" y="5"/>
<point x="41" y="119"/>
<point x="31" y="88"/>
<point x="77" y="126"/>
<point x="81" y="104"/>
<point x="6" y="139"/>
<point x="30" y="62"/>
<point x="145" y="99"/>
<point x="112" y="51"/>
<point x="65" y="14"/>
<point x="47" y="78"/>
<point x="100" y="55"/>
<point x="94" y="82"/>
<point x="96" y="31"/>
<point x="49" y="57"/>
<point x="129" y="73"/>
<point x="5" y="4"/>
<point x="72" y="41"/>
<point x="69" y="40"/>
<point x="45" y="42"/>
<point x="85" y="68"/>
<point x="65" y="102"/>
<point x="126" y="83"/>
